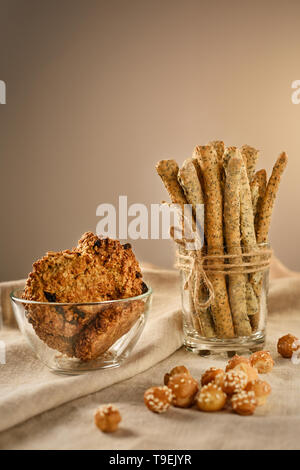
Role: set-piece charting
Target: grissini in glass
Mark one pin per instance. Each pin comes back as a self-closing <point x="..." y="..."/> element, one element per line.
<point x="225" y="282"/>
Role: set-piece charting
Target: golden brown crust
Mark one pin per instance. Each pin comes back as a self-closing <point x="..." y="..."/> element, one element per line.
<point x="158" y="399"/>
<point x="285" y="345"/>
<point x="168" y="171"/>
<point x="213" y="375"/>
<point x="258" y="187"/>
<point x="107" y="418"/>
<point x="210" y="167"/>
<point x="236" y="282"/>
<point x="110" y="324"/>
<point x="235" y="360"/>
<point x="250" y="156"/>
<point x="263" y="361"/>
<point x="234" y="381"/>
<point x="96" y="270"/>
<point x="175" y="371"/>
<point x="211" y="398"/>
<point x="191" y="186"/>
<point x="261" y="389"/>
<point x="244" y="403"/>
<point x="250" y="371"/>
<point x="265" y="213"/>
<point x="184" y="388"/>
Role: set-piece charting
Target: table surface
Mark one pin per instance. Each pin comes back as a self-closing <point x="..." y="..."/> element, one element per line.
<point x="70" y="425"/>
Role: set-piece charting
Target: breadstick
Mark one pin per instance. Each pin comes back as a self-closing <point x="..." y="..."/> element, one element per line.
<point x="258" y="188"/>
<point x="264" y="219"/>
<point x="252" y="301"/>
<point x="168" y="171"/>
<point x="250" y="156"/>
<point x="188" y="179"/>
<point x="209" y="165"/>
<point x="247" y="224"/>
<point x="190" y="184"/>
<point x="247" y="218"/>
<point x="265" y="212"/>
<point x="237" y="282"/>
<point x="219" y="147"/>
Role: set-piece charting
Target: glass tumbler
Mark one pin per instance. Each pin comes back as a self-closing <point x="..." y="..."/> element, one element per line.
<point x="235" y="320"/>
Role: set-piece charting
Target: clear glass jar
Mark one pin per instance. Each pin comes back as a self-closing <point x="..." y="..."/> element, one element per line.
<point x="235" y="320"/>
<point x="74" y="338"/>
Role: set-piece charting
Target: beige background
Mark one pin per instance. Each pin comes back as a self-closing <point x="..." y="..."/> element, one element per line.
<point x="98" y="91"/>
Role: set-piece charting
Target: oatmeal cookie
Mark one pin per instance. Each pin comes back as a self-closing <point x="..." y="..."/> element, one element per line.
<point x="96" y="270"/>
<point x="110" y="324"/>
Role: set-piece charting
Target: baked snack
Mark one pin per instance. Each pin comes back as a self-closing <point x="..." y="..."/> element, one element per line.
<point x="213" y="375"/>
<point x="232" y="223"/>
<point x="96" y="270"/>
<point x="263" y="361"/>
<point x="107" y="418"/>
<point x="234" y="381"/>
<point x="158" y="399"/>
<point x="211" y="398"/>
<point x="235" y="360"/>
<point x="184" y="389"/>
<point x="250" y="371"/>
<point x="285" y="345"/>
<point x="207" y="159"/>
<point x="244" y="403"/>
<point x="175" y="371"/>
<point x="261" y="389"/>
<point x="224" y="279"/>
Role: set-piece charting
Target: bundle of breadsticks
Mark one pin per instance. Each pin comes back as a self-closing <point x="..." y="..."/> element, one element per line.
<point x="238" y="203"/>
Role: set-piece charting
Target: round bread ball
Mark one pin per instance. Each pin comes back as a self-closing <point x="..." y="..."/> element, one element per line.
<point x="107" y="418"/>
<point x="158" y="399"/>
<point x="184" y="389"/>
<point x="211" y="398"/>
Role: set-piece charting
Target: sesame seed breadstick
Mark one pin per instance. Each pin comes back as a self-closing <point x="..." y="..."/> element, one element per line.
<point x="219" y="147"/>
<point x="264" y="220"/>
<point x="258" y="189"/>
<point x="252" y="301"/>
<point x="209" y="165"/>
<point x="188" y="179"/>
<point x="247" y="218"/>
<point x="248" y="236"/>
<point x="250" y="156"/>
<point x="265" y="213"/>
<point x="237" y="282"/>
<point x="168" y="171"/>
<point x="190" y="184"/>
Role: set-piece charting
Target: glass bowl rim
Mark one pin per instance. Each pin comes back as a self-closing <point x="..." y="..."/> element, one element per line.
<point x="73" y="304"/>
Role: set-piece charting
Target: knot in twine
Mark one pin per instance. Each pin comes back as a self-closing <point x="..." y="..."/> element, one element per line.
<point x="194" y="264"/>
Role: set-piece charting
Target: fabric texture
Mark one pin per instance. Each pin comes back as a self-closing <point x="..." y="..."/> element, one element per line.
<point x="43" y="410"/>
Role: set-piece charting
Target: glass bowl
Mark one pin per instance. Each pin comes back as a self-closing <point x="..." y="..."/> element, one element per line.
<point x="73" y="338"/>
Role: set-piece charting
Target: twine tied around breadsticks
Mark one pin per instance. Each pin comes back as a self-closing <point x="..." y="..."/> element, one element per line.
<point x="195" y="264"/>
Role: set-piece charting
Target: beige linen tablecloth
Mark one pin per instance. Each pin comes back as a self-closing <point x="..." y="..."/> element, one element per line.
<point x="42" y="410"/>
